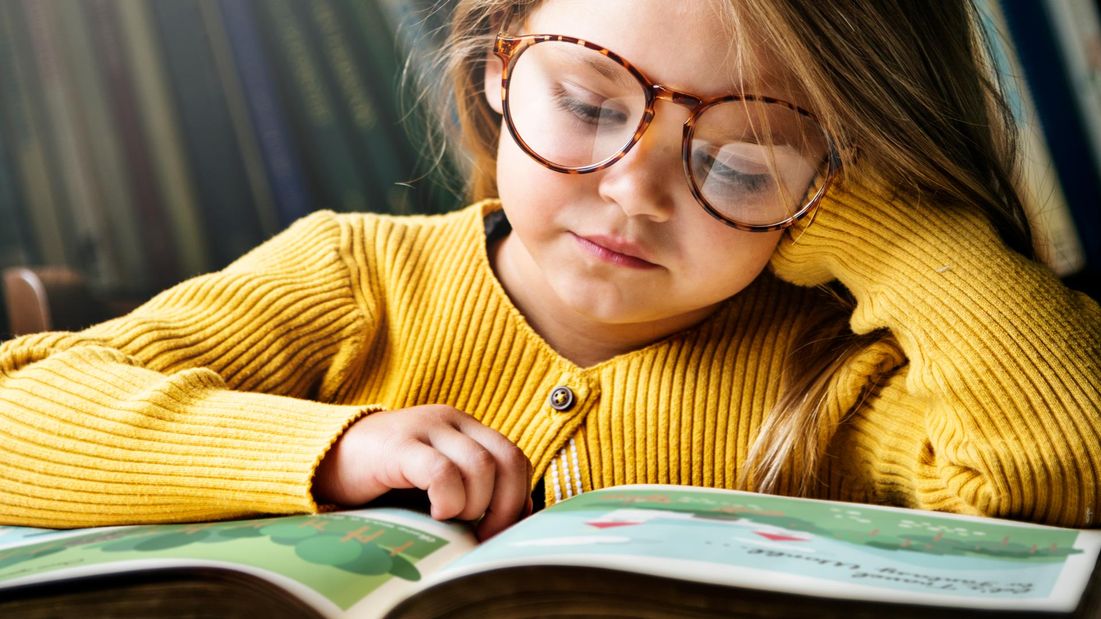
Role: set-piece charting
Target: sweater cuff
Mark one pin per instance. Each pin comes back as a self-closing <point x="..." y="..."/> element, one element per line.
<point x="862" y="233"/>
<point x="192" y="455"/>
<point x="908" y="262"/>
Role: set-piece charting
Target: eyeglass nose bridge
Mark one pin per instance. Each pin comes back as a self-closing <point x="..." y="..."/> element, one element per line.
<point x="664" y="93"/>
<point x="675" y="96"/>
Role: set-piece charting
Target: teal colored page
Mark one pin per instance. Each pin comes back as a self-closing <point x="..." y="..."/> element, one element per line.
<point x="341" y="556"/>
<point x="815" y="547"/>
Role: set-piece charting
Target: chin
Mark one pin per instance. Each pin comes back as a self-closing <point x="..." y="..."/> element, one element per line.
<point x="608" y="308"/>
<point x="590" y="302"/>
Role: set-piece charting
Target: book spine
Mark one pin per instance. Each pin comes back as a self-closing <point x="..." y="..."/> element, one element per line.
<point x="330" y="157"/>
<point x="81" y="185"/>
<point x="158" y="245"/>
<point x="161" y="128"/>
<point x="30" y="150"/>
<point x="397" y="40"/>
<point x="15" y="248"/>
<point x="358" y="109"/>
<point x="240" y="117"/>
<point x="107" y="161"/>
<point x="227" y="202"/>
<point x="376" y="50"/>
<point x="289" y="185"/>
<point x="1053" y="228"/>
<point x="17" y="245"/>
<point x="1053" y="96"/>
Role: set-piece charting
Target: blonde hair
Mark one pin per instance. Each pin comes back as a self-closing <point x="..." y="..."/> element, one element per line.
<point x="904" y="87"/>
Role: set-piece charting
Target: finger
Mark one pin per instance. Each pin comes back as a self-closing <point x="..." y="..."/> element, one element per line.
<point x="510" y="499"/>
<point x="477" y="465"/>
<point x="423" y="466"/>
<point x="511" y="485"/>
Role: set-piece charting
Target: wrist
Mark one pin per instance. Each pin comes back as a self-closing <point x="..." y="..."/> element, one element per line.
<point x="329" y="484"/>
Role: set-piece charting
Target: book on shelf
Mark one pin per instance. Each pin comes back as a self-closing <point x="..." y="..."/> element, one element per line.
<point x="25" y="130"/>
<point x="232" y="87"/>
<point x="71" y="154"/>
<point x="328" y="156"/>
<point x="641" y="551"/>
<point x="226" y="200"/>
<point x="357" y="106"/>
<point x="148" y="217"/>
<point x="131" y="25"/>
<point x="289" y="186"/>
<point x="16" y="242"/>
<point x="102" y="148"/>
<point x="373" y="46"/>
<point x="400" y="41"/>
<point x="14" y="249"/>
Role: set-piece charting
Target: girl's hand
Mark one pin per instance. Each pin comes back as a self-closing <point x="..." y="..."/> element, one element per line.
<point x="861" y="234"/>
<point x="470" y="472"/>
<point x="803" y="256"/>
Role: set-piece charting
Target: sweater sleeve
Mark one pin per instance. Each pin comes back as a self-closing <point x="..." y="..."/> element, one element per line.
<point x="998" y="409"/>
<point x="198" y="405"/>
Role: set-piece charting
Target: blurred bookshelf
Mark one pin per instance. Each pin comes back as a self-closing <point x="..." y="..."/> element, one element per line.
<point x="146" y="141"/>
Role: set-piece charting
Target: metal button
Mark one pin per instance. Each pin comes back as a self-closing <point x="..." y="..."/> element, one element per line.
<point x="561" y="399"/>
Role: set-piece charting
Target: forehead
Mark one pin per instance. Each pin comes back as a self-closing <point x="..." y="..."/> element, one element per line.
<point x="686" y="44"/>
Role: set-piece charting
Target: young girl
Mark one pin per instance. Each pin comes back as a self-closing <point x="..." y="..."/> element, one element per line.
<point x="763" y="244"/>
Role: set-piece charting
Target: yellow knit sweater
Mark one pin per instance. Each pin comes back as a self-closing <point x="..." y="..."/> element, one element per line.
<point x="219" y="397"/>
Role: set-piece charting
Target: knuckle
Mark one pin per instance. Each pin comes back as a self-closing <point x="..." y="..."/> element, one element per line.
<point x="515" y="458"/>
<point x="399" y="443"/>
<point x="482" y="461"/>
<point x="443" y="470"/>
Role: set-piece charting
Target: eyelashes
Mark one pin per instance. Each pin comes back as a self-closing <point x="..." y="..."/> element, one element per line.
<point x="587" y="113"/>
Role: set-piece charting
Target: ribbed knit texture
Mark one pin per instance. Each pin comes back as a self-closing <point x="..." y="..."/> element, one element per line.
<point x="219" y="397"/>
<point x="999" y="409"/>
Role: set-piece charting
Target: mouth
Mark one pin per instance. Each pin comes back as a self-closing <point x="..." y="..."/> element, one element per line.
<point x="615" y="251"/>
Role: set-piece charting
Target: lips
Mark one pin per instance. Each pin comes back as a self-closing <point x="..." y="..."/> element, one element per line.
<point x="616" y="251"/>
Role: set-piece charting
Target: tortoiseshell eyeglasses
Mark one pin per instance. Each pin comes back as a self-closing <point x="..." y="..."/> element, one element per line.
<point x="754" y="163"/>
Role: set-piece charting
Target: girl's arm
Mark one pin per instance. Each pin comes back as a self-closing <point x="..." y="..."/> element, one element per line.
<point x="998" y="408"/>
<point x="190" y="407"/>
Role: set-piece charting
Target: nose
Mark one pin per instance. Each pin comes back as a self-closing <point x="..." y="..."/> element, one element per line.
<point x="646" y="181"/>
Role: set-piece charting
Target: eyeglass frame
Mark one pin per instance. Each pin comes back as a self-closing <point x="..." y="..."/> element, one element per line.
<point x="509" y="48"/>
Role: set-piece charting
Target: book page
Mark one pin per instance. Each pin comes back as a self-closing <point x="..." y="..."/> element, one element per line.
<point x="820" y="548"/>
<point x="332" y="561"/>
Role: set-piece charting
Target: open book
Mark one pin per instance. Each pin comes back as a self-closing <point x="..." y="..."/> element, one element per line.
<point x="641" y="551"/>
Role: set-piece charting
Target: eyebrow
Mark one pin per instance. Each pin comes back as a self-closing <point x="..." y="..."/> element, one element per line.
<point x="608" y="71"/>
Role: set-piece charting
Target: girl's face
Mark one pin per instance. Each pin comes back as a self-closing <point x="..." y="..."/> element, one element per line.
<point x="628" y="245"/>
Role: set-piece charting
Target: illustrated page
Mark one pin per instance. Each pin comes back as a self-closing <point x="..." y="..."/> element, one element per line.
<point x="815" y="547"/>
<point x="332" y="560"/>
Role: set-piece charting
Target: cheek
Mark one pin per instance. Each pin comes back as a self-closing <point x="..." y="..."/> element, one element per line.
<point x="526" y="186"/>
<point x="514" y="169"/>
<point x="731" y="259"/>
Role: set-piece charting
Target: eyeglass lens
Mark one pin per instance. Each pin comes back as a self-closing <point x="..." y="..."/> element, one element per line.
<point x="753" y="162"/>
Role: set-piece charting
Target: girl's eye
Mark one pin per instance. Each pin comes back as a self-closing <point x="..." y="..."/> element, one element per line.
<point x="731" y="172"/>
<point x="587" y="107"/>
